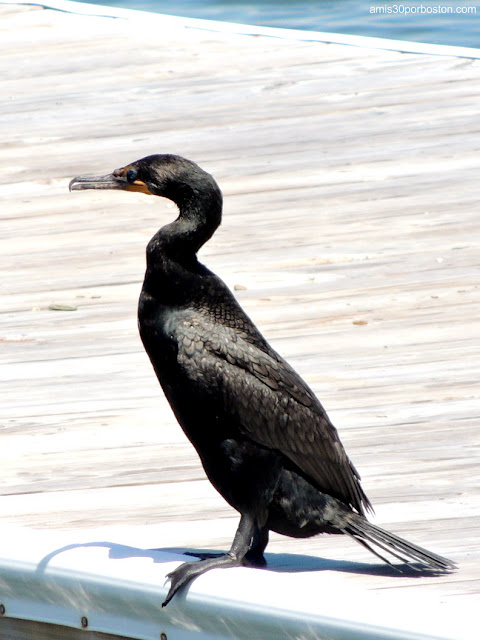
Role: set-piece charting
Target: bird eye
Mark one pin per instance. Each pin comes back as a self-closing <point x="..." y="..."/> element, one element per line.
<point x="131" y="176"/>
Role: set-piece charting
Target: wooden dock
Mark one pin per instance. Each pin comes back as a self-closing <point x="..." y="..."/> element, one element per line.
<point x="350" y="233"/>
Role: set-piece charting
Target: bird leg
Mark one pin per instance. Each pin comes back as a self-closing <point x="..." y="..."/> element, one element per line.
<point x="254" y="556"/>
<point x="190" y="570"/>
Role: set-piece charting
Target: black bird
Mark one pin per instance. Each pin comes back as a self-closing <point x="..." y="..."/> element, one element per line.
<point x="265" y="441"/>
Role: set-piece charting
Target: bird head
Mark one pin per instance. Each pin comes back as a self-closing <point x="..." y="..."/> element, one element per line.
<point x="170" y="176"/>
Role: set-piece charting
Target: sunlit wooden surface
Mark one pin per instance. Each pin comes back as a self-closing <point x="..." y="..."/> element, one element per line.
<point x="350" y="235"/>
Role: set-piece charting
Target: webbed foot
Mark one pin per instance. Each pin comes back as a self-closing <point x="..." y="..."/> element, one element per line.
<point x="190" y="570"/>
<point x="254" y="559"/>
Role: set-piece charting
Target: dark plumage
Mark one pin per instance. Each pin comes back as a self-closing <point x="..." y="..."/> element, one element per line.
<point x="265" y="441"/>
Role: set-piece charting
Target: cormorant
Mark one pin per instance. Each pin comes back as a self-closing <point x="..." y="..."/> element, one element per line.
<point x="265" y="441"/>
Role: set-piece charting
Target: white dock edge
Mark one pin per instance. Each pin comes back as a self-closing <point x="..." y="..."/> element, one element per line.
<point x="104" y="586"/>
<point x="170" y="22"/>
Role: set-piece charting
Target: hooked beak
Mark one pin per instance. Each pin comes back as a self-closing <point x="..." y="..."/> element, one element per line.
<point x="109" y="181"/>
<point x="115" y="180"/>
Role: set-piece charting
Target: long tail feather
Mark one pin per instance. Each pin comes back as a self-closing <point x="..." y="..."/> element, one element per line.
<point x="368" y="534"/>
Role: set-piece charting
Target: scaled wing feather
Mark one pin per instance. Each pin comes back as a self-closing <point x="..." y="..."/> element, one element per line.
<point x="272" y="405"/>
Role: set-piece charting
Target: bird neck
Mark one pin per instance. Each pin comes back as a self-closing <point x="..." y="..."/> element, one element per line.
<point x="199" y="216"/>
<point x="174" y="274"/>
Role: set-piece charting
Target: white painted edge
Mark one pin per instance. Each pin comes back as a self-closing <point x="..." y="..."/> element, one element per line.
<point x="115" y="582"/>
<point x="167" y="22"/>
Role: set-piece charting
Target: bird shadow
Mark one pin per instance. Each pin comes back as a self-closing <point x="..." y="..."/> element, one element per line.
<point x="276" y="562"/>
<point x="299" y="563"/>
<point x="115" y="552"/>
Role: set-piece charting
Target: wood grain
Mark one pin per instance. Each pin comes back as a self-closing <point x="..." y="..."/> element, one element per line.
<point x="350" y="179"/>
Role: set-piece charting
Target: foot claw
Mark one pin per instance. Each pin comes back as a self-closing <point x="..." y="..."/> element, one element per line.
<point x="177" y="578"/>
<point x="190" y="570"/>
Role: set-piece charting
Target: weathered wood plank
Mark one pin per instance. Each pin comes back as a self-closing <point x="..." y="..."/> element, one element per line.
<point x="351" y="183"/>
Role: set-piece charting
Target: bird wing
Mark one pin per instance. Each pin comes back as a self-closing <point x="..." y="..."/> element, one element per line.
<point x="269" y="402"/>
